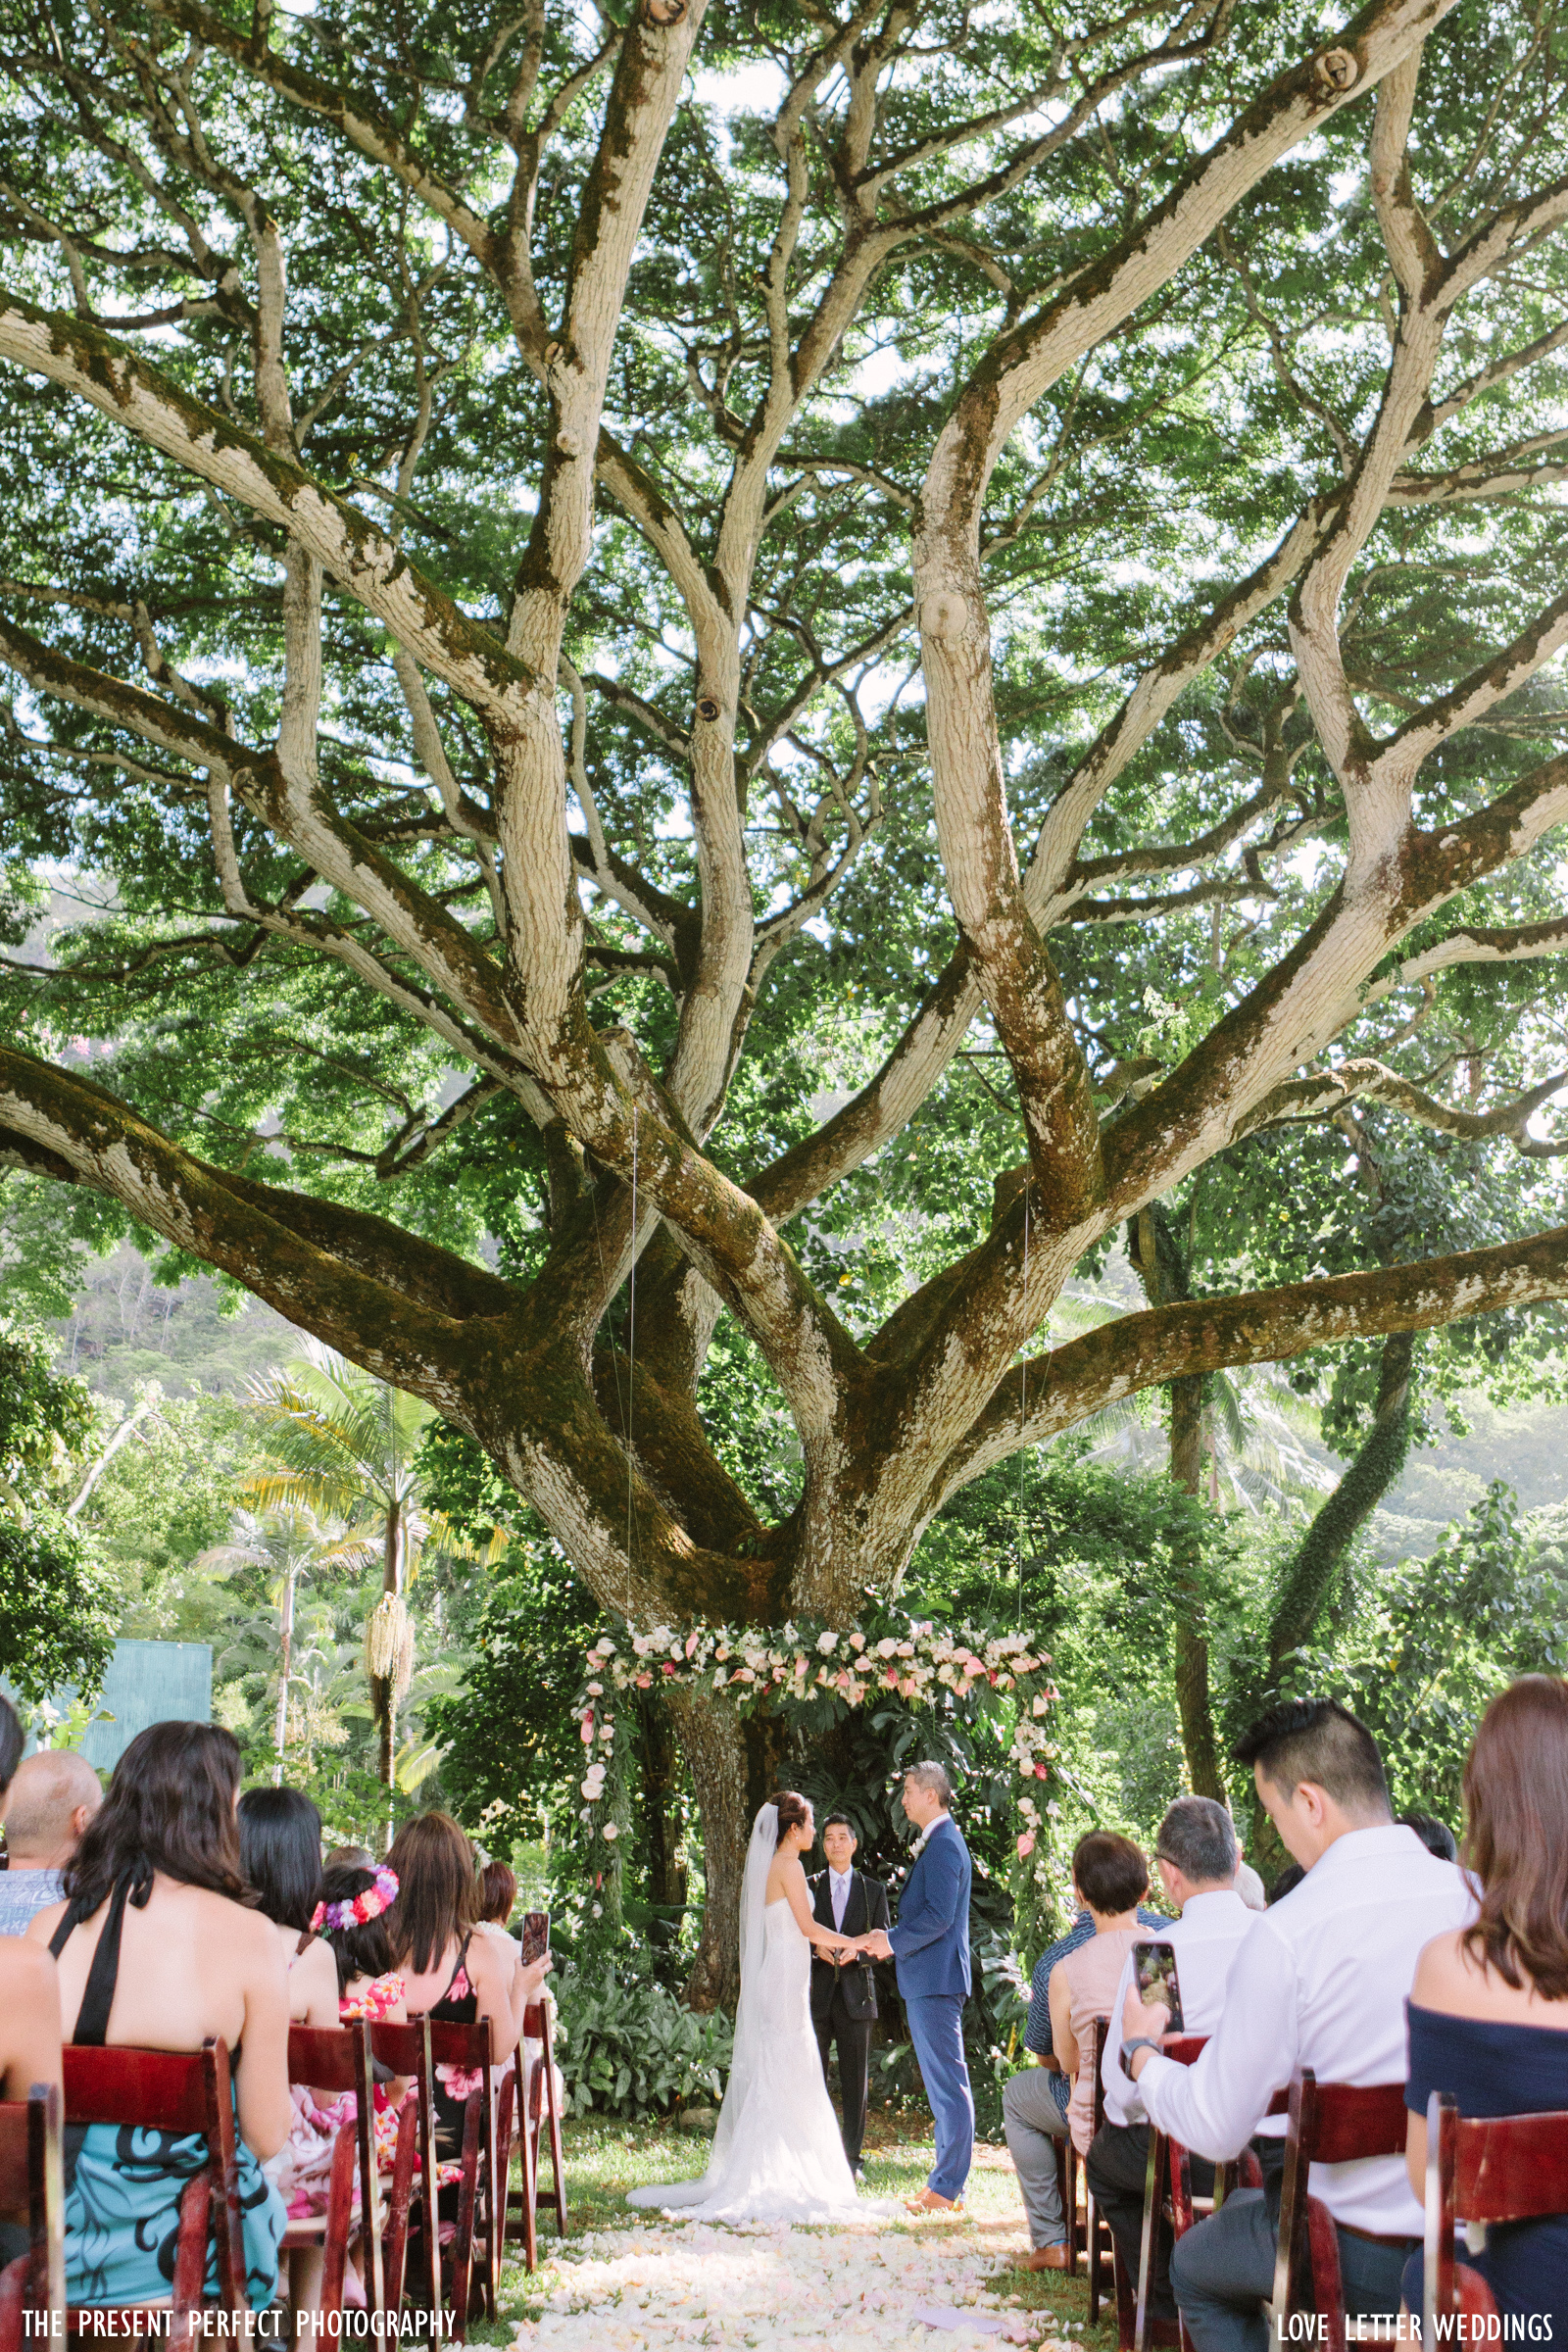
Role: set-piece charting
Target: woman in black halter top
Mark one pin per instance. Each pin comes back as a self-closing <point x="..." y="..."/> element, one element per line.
<point x="449" y="1971"/>
<point x="156" y="1883"/>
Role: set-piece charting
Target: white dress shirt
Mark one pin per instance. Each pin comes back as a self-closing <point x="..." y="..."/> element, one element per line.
<point x="1204" y="1940"/>
<point x="1320" y="1980"/>
<point x="838" y="1889"/>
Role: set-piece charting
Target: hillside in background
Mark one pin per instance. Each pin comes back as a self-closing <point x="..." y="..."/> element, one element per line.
<point x="204" y="1338"/>
<point x="200" y="1337"/>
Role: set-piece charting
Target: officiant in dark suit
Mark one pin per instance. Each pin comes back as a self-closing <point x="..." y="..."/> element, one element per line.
<point x="844" y="1998"/>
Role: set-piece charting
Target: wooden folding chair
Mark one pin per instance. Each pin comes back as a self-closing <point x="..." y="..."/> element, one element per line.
<point x="186" y="2094"/>
<point x="406" y="2049"/>
<point x="1329" y="2123"/>
<point x="1168" y="2193"/>
<point x="1501" y="2168"/>
<point x="535" y="2105"/>
<point x="33" y="2288"/>
<point x="469" y="2047"/>
<point x="1168" y="2167"/>
<point x="331" y="2061"/>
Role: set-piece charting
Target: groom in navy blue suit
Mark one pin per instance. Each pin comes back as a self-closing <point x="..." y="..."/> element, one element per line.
<point x="931" y="1945"/>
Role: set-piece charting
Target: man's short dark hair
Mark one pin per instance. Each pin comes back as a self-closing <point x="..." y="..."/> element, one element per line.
<point x="1436" y="1836"/>
<point x="844" y="1822"/>
<point x="1316" y="1740"/>
<point x="1110" y="1871"/>
<point x="1198" y="1837"/>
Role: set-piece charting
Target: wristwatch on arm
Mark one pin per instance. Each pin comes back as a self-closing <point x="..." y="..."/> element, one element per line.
<point x="1139" y="2041"/>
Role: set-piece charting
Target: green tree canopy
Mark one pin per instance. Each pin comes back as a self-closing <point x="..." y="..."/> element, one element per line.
<point x="791" y="662"/>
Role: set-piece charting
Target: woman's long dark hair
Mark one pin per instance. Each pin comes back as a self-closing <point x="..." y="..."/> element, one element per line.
<point x="1516" y="1835"/>
<point x="280" y="1853"/>
<point x="169" y="1807"/>
<point x="438" y="1889"/>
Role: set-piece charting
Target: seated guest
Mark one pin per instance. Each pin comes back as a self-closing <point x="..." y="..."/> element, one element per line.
<point x="1033" y="2106"/>
<point x="280" y="1858"/>
<point x="1195" y="1853"/>
<point x="1110" y="1877"/>
<point x="1436" y="1836"/>
<point x="29" y="2000"/>
<point x="1319" y="1980"/>
<point x="349" y="1857"/>
<point x="159" y="1944"/>
<point x="448" y="1969"/>
<point x="52" y="1800"/>
<point x="1249" y="1885"/>
<point x="1489" y="2008"/>
<point x="350" y="1921"/>
<point x="1287" y="1883"/>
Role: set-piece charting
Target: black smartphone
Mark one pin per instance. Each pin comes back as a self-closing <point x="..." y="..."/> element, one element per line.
<point x="1155" y="1967"/>
<point x="535" y="1935"/>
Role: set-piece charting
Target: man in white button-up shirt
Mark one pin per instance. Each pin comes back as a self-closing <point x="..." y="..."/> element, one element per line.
<point x="1196" y="1850"/>
<point x="1319" y="1980"/>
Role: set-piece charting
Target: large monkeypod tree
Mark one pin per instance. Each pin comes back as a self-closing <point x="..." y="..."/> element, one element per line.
<point x="518" y="518"/>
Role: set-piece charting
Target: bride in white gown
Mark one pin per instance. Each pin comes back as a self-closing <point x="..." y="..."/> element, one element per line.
<point x="778" y="2154"/>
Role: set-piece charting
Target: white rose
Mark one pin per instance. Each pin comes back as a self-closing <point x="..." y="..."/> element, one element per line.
<point x="887" y="1647"/>
<point x="826" y="1642"/>
<point x="609" y="1832"/>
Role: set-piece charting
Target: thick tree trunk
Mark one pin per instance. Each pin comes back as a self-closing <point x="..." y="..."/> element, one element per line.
<point x="659" y="1757"/>
<point x="1309" y="1580"/>
<point x="1157" y="1259"/>
<point x="734" y="1764"/>
<point x="1191" y="1645"/>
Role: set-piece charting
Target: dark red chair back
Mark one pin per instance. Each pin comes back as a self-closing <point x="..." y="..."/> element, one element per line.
<point x="33" y="2288"/>
<point x="332" y="2061"/>
<point x="1169" y="2169"/>
<point x="186" y="2093"/>
<point x="529" y="2093"/>
<point x="479" y="2205"/>
<point x="1329" y="2123"/>
<point x="1504" y="2167"/>
<point x="406" y="2049"/>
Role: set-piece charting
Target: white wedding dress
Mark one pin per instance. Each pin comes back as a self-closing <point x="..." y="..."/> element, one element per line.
<point x="778" y="2154"/>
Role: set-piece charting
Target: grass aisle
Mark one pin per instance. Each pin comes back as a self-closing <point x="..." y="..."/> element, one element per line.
<point x="622" y="2282"/>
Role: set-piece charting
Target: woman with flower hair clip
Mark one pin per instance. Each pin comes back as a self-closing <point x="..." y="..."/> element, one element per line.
<point x="350" y="1921"/>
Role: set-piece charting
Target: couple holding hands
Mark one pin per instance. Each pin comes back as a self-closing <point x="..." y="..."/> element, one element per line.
<point x="778" y="2153"/>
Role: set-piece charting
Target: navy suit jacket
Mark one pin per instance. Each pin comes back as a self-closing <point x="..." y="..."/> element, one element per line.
<point x="931" y="1942"/>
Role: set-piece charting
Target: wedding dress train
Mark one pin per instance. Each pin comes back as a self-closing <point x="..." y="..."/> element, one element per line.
<point x="778" y="2154"/>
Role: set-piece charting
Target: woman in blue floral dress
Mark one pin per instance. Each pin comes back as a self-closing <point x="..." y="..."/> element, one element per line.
<point x="158" y="1945"/>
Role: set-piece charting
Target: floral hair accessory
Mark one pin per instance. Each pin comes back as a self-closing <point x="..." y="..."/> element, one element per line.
<point x="354" y="1914"/>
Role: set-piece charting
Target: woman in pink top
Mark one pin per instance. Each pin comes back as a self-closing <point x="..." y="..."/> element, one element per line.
<point x="1110" y="1878"/>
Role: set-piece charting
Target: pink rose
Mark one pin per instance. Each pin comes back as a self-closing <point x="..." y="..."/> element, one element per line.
<point x="666" y="1668"/>
<point x="1042" y="1772"/>
<point x="644" y="1679"/>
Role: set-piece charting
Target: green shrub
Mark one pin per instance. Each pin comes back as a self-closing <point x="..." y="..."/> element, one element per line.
<point x="627" y="2046"/>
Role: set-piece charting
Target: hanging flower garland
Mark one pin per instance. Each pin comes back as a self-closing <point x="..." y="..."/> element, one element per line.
<point x="805" y="1664"/>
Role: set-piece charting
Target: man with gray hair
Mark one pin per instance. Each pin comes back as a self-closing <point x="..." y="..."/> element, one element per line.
<point x="1196" y="1849"/>
<point x="931" y="1947"/>
<point x="52" y="1797"/>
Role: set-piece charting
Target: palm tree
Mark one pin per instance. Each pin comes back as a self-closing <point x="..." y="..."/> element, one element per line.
<point x="344" y="1443"/>
<point x="290" y="1541"/>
